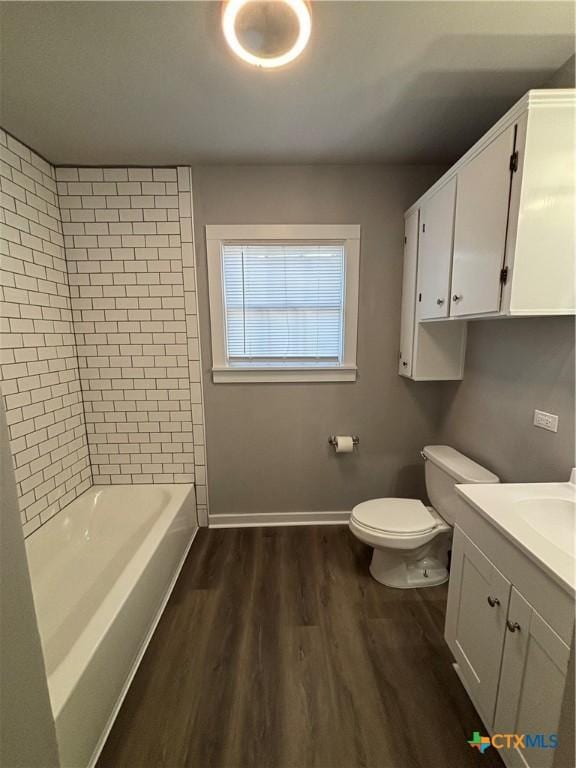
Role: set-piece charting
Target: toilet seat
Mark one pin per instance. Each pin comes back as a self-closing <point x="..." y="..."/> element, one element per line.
<point x="401" y="516"/>
<point x="396" y="523"/>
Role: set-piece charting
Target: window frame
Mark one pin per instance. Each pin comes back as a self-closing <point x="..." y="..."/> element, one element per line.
<point x="348" y="235"/>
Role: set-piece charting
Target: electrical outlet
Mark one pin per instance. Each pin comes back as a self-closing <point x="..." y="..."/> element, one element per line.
<point x="546" y="420"/>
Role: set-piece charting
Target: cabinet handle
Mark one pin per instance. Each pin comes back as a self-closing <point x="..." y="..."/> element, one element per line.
<point x="492" y="601"/>
<point x="456" y="297"/>
<point x="439" y="302"/>
<point x="512" y="627"/>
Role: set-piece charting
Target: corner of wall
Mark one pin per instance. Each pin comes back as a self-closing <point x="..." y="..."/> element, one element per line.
<point x="186" y="206"/>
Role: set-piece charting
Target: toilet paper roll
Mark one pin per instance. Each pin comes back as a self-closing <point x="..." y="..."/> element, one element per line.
<point x="344" y="444"/>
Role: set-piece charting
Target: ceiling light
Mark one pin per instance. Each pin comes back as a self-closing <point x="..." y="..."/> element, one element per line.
<point x="267" y="33"/>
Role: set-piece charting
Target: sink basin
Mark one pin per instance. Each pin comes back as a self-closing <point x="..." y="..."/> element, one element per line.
<point x="540" y="518"/>
<point x="553" y="518"/>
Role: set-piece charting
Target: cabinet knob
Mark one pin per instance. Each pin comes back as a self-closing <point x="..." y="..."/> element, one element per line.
<point x="512" y="627"/>
<point x="456" y="297"/>
<point x="493" y="601"/>
<point x="405" y="364"/>
<point x="439" y="302"/>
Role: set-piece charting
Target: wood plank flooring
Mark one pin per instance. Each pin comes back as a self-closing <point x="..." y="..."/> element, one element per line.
<point x="278" y="650"/>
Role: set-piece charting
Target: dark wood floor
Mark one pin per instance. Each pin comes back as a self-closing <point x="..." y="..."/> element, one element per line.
<point x="278" y="650"/>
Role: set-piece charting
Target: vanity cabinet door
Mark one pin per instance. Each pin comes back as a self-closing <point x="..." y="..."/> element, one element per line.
<point x="480" y="228"/>
<point x="532" y="682"/>
<point x="435" y="252"/>
<point x="478" y="599"/>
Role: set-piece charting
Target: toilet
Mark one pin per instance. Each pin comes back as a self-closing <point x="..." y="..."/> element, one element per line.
<point x="411" y="541"/>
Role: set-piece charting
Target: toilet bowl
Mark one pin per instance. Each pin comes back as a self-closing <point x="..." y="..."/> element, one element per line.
<point x="411" y="541"/>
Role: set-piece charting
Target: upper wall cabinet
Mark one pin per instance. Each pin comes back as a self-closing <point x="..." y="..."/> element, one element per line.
<point x="429" y="351"/>
<point x="435" y="252"/>
<point x="494" y="237"/>
<point x="540" y="238"/>
<point x="513" y="230"/>
<point x="480" y="228"/>
<point x="408" y="312"/>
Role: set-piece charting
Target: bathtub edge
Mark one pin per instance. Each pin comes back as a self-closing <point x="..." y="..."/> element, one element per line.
<point x="143" y="648"/>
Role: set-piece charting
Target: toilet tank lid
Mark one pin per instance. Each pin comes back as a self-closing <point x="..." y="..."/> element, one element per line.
<point x="458" y="466"/>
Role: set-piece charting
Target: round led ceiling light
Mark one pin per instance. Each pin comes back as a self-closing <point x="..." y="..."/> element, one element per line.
<point x="267" y="33"/>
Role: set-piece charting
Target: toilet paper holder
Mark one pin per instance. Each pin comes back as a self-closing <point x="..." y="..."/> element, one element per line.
<point x="333" y="442"/>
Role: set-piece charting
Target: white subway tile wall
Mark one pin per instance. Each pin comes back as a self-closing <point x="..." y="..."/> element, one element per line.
<point x="125" y="254"/>
<point x="99" y="348"/>
<point x="38" y="364"/>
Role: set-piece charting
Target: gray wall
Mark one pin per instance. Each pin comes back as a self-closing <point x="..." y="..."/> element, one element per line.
<point x="27" y="735"/>
<point x="267" y="443"/>
<point x="565" y="76"/>
<point x="513" y="367"/>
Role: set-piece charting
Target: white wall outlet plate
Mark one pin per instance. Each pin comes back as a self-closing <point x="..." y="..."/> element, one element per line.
<point x="546" y="420"/>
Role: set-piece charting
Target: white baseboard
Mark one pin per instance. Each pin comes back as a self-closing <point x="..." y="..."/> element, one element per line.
<point x="268" y="519"/>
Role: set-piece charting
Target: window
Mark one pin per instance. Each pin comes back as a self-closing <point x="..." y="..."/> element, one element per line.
<point x="283" y="302"/>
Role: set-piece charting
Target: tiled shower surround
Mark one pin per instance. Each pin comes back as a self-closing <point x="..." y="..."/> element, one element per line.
<point x="128" y="283"/>
<point x="122" y="235"/>
<point x="39" y="368"/>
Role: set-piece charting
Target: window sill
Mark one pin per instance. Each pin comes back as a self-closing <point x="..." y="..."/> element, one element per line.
<point x="267" y="375"/>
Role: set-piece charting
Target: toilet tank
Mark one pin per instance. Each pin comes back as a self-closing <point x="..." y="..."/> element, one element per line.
<point x="445" y="467"/>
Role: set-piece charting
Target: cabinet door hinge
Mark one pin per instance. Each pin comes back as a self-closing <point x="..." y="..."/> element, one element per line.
<point x="504" y="275"/>
<point x="514" y="161"/>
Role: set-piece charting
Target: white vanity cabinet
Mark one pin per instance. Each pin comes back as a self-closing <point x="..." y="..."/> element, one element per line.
<point x="509" y="627"/>
<point x="476" y="621"/>
<point x="532" y="680"/>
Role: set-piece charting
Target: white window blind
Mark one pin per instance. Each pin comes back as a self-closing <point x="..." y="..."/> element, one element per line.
<point x="284" y="303"/>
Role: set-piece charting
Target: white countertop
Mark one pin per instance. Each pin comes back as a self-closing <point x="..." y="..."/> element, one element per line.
<point x="539" y="518"/>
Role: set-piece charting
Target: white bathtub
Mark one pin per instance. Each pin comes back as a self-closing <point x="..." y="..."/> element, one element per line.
<point x="102" y="571"/>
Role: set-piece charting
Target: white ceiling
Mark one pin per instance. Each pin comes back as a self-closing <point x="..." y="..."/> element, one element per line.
<point x="152" y="82"/>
